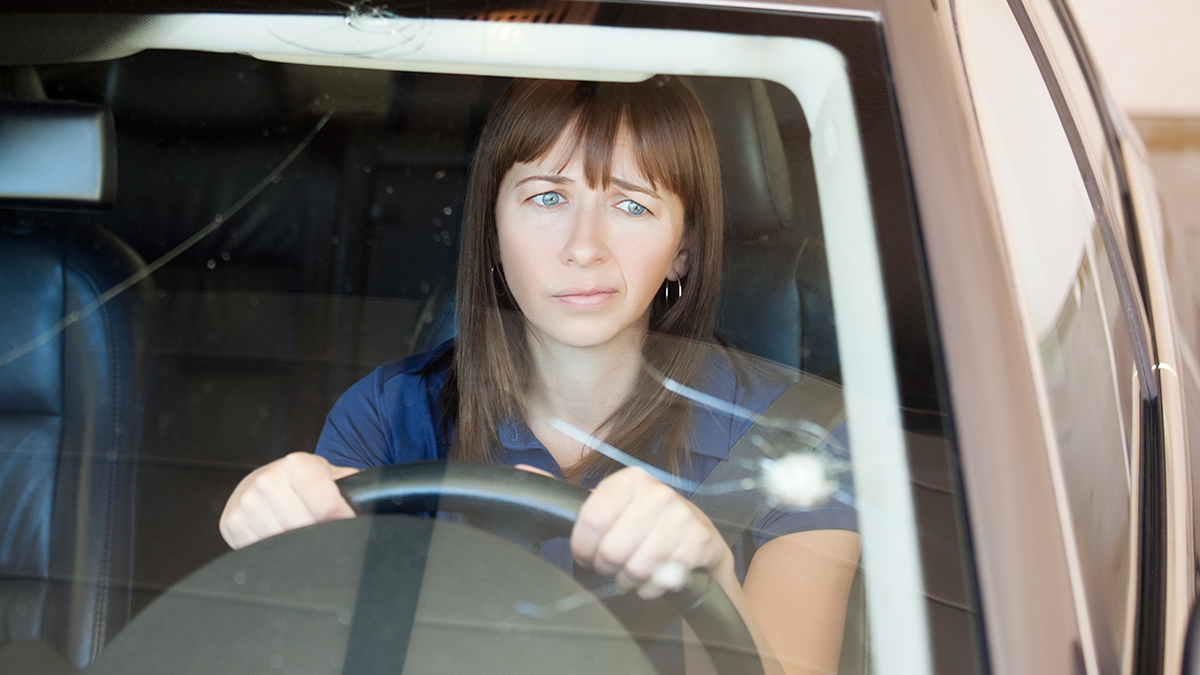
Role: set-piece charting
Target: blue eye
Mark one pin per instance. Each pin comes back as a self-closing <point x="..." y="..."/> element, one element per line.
<point x="547" y="199"/>
<point x="632" y="207"/>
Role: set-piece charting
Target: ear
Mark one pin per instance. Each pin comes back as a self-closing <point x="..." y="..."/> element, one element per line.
<point x="681" y="264"/>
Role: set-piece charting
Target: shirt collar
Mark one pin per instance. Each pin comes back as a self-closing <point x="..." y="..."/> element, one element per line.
<point x="515" y="435"/>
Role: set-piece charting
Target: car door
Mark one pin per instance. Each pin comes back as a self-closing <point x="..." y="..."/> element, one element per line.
<point x="1121" y="173"/>
<point x="1059" y="187"/>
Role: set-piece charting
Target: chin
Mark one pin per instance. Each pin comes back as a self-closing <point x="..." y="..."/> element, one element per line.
<point x="580" y="334"/>
<point x="582" y="340"/>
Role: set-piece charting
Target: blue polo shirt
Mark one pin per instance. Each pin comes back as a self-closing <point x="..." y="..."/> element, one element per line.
<point x="393" y="416"/>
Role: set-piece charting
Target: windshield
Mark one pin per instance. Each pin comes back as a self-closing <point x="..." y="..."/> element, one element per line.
<point x="288" y="221"/>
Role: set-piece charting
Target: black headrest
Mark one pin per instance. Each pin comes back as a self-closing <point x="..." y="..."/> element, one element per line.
<point x="196" y="92"/>
<point x="56" y="155"/>
<point x="760" y="194"/>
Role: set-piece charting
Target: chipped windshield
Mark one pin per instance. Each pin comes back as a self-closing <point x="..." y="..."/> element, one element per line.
<point x="602" y="298"/>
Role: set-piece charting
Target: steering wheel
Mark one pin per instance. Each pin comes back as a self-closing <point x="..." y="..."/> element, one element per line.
<point x="392" y="594"/>
<point x="529" y="509"/>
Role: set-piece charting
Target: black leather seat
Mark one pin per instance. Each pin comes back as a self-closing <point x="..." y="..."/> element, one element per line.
<point x="247" y="343"/>
<point x="775" y="299"/>
<point x="71" y="374"/>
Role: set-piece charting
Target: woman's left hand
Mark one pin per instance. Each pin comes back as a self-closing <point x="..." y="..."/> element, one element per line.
<point x="646" y="536"/>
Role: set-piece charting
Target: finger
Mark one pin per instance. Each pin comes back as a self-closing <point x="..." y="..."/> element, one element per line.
<point x="312" y="481"/>
<point x="232" y="530"/>
<point x="236" y="533"/>
<point x="232" y="524"/>
<point x="683" y="538"/>
<point x="270" y="499"/>
<point x="240" y="530"/>
<point x="669" y="576"/>
<point x="599" y="511"/>
<point x="256" y="517"/>
<point x="534" y="469"/>
<point x="640" y="534"/>
<point x="288" y="507"/>
<point x="662" y="542"/>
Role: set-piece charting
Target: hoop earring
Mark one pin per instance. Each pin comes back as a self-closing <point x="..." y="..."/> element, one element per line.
<point x="499" y="282"/>
<point x="667" y="292"/>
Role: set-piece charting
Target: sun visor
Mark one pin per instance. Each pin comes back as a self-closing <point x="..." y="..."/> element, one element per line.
<point x="56" y="155"/>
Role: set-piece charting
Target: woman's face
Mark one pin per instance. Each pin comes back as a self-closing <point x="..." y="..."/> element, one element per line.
<point x="584" y="263"/>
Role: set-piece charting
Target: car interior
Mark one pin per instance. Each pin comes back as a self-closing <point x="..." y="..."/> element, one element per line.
<point x="136" y="413"/>
<point x="247" y="238"/>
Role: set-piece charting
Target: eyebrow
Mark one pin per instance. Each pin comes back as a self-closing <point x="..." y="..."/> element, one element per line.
<point x="634" y="187"/>
<point x="563" y="180"/>
<point x="555" y="179"/>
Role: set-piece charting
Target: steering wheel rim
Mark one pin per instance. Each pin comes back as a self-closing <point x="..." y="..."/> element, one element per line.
<point x="529" y="509"/>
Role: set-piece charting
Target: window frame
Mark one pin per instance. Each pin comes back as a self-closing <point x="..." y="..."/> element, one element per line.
<point x="1123" y="253"/>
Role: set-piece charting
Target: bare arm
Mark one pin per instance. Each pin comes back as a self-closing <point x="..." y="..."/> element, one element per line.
<point x="797" y="587"/>
<point x="793" y="601"/>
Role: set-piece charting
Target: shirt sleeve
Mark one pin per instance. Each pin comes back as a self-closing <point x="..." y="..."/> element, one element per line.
<point x="755" y="388"/>
<point x="839" y="513"/>
<point x="760" y="388"/>
<point x="356" y="429"/>
<point x="388" y="417"/>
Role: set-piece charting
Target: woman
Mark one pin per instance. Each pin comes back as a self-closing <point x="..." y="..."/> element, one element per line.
<point x="589" y="270"/>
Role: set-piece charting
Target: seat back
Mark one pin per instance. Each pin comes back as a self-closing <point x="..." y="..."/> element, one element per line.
<point x="775" y="300"/>
<point x="71" y="372"/>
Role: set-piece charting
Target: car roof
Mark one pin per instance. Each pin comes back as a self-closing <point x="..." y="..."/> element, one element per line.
<point x="837" y="7"/>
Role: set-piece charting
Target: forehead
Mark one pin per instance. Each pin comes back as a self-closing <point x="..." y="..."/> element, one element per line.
<point x="571" y="152"/>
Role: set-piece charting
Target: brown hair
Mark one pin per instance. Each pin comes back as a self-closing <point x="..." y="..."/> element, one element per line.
<point x="674" y="149"/>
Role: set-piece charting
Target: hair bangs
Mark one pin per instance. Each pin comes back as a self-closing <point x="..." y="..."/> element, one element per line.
<point x="595" y="117"/>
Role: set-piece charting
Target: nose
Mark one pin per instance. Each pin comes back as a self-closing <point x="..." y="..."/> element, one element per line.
<point x="585" y="243"/>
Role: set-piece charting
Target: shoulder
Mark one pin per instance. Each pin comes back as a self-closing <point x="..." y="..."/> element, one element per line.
<point x="750" y="386"/>
<point x="390" y="416"/>
<point x="731" y="391"/>
<point x="417" y="372"/>
<point x="407" y="382"/>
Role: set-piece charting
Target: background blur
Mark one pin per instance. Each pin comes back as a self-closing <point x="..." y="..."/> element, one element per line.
<point x="1148" y="51"/>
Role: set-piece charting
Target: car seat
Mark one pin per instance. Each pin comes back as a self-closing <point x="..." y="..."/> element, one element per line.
<point x="247" y="344"/>
<point x="71" y="383"/>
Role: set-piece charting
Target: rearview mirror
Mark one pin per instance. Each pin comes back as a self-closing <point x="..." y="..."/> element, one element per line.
<point x="56" y="155"/>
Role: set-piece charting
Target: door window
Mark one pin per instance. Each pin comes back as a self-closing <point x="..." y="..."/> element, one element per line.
<point x="1061" y="266"/>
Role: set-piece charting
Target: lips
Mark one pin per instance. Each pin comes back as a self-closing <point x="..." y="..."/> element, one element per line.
<point x="585" y="298"/>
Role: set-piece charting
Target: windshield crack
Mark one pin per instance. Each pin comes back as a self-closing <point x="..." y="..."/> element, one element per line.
<point x="215" y="224"/>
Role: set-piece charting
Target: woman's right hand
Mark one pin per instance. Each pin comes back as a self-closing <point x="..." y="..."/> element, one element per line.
<point x="291" y="492"/>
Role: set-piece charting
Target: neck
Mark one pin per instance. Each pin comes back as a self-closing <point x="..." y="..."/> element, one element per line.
<point x="580" y="386"/>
